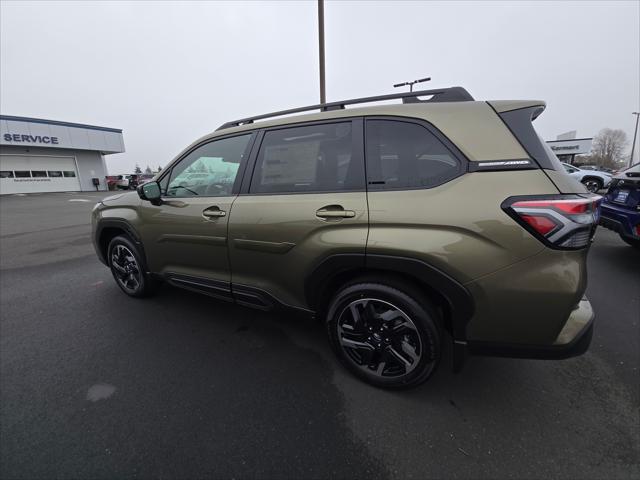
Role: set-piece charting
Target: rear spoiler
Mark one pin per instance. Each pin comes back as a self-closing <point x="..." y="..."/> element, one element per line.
<point x="518" y="116"/>
<point x="502" y="106"/>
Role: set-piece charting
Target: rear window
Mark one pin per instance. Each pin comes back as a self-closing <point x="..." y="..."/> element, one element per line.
<point x="315" y="158"/>
<point x="520" y="123"/>
<point x="406" y="155"/>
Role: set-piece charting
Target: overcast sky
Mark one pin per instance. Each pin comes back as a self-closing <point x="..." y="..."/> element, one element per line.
<point x="167" y="73"/>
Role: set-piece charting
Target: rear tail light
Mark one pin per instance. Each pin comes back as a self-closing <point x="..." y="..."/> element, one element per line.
<point x="638" y="230"/>
<point x="559" y="221"/>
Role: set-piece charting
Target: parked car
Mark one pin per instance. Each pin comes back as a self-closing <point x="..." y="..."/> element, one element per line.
<point x="596" y="168"/>
<point x="399" y="226"/>
<point x="594" y="180"/>
<point x="621" y="206"/>
<point x="122" y="182"/>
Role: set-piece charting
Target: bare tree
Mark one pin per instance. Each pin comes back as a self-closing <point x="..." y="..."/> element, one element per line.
<point x="608" y="147"/>
<point x="137" y="169"/>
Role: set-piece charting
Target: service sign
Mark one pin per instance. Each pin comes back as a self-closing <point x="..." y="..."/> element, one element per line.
<point x="18" y="139"/>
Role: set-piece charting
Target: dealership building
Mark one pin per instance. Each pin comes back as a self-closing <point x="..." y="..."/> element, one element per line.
<point x="566" y="146"/>
<point x="51" y="156"/>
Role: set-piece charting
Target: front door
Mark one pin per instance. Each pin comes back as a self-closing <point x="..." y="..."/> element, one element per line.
<point x="305" y="202"/>
<point x="185" y="238"/>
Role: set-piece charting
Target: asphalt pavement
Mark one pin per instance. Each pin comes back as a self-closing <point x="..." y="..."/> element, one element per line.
<point x="94" y="384"/>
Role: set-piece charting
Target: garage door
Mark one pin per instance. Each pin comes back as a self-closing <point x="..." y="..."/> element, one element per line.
<point x="35" y="173"/>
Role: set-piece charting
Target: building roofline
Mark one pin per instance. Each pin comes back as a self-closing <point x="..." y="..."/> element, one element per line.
<point x="13" y="118"/>
<point x="570" y="140"/>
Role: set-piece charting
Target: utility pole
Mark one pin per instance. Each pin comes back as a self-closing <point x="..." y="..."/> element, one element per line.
<point x="323" y="95"/>
<point x="411" y="83"/>
<point x="635" y="134"/>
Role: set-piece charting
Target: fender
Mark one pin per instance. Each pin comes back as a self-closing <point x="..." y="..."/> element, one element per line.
<point x="122" y="225"/>
<point x="458" y="298"/>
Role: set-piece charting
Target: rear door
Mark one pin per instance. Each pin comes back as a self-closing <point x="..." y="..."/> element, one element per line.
<point x="303" y="201"/>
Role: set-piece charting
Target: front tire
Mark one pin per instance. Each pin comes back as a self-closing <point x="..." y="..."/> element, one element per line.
<point x="386" y="335"/>
<point x="593" y="184"/>
<point x="128" y="267"/>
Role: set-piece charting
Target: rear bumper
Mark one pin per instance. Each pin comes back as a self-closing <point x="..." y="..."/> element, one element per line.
<point x="573" y="340"/>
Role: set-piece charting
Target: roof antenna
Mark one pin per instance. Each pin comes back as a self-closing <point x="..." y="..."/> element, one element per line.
<point x="411" y="84"/>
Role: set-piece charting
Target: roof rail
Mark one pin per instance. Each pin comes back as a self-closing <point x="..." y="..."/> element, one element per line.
<point x="451" y="94"/>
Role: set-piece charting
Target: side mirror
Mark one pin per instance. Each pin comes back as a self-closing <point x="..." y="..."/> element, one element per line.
<point x="150" y="191"/>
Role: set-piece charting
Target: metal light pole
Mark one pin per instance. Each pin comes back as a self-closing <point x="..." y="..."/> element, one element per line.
<point x="323" y="96"/>
<point x="635" y="134"/>
<point x="411" y="83"/>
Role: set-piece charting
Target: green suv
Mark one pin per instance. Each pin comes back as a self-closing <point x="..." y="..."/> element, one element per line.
<point x="399" y="226"/>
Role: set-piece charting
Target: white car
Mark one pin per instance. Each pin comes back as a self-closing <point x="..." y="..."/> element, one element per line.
<point x="594" y="180"/>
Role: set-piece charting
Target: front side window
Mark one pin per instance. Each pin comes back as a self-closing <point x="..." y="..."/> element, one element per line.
<point x="210" y="170"/>
<point x="406" y="155"/>
<point x="315" y="158"/>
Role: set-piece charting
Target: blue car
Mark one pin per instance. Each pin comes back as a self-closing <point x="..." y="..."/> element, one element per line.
<point x="620" y="210"/>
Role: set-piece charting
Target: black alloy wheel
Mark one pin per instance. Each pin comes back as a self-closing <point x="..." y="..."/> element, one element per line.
<point x="386" y="334"/>
<point x="379" y="337"/>
<point x="127" y="267"/>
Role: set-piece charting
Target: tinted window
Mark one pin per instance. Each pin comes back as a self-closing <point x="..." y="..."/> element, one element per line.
<point x="210" y="170"/>
<point x="23" y="173"/>
<point x="38" y="173"/>
<point x="406" y="155"/>
<point x="55" y="173"/>
<point x="69" y="173"/>
<point x="6" y="174"/>
<point x="316" y="158"/>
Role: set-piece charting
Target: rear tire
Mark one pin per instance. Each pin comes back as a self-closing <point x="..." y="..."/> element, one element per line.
<point x="128" y="267"/>
<point x="631" y="241"/>
<point x="386" y="334"/>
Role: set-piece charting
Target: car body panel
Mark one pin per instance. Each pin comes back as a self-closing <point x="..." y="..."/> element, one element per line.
<point x="275" y="240"/>
<point x="550" y="285"/>
<point x="565" y="182"/>
<point x="465" y="235"/>
<point x="178" y="239"/>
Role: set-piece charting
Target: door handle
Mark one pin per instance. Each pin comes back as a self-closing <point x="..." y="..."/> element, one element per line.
<point x="213" y="212"/>
<point x="335" y="211"/>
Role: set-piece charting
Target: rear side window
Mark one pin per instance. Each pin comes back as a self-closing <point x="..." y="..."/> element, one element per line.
<point x="315" y="158"/>
<point x="406" y="155"/>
